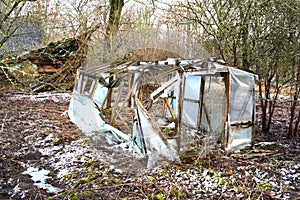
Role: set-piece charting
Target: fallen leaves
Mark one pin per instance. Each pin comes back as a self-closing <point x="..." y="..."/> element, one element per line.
<point x="35" y="133"/>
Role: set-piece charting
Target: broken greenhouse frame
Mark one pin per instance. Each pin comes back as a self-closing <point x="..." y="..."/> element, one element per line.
<point x="158" y="108"/>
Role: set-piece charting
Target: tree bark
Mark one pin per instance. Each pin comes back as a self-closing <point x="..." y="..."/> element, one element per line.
<point x="297" y="124"/>
<point x="292" y="130"/>
<point x="263" y="107"/>
<point x="111" y="29"/>
<point x="114" y="17"/>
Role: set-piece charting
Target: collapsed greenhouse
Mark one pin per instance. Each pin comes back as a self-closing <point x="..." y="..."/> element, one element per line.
<point x="158" y="109"/>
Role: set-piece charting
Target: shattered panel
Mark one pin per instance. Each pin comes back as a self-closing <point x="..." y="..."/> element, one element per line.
<point x="82" y="111"/>
<point x="100" y="94"/>
<point x="156" y="147"/>
<point x="214" y="102"/>
<point x="157" y="109"/>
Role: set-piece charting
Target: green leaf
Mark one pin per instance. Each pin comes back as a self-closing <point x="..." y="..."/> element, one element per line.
<point x="160" y="197"/>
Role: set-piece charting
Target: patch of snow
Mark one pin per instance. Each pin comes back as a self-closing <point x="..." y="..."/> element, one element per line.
<point x="49" y="150"/>
<point x="262" y="144"/>
<point x="45" y="96"/>
<point x="39" y="177"/>
<point x="72" y="156"/>
<point x="16" y="189"/>
<point x="56" y="97"/>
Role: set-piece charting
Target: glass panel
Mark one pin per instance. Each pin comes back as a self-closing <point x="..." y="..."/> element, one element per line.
<point x="88" y="86"/>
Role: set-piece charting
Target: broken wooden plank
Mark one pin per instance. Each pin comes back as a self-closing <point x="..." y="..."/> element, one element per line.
<point x="170" y="108"/>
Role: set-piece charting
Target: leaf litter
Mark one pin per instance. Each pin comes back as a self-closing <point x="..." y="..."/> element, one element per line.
<point x="44" y="155"/>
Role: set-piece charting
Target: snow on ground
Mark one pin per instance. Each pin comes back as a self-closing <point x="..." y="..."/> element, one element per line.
<point x="44" y="155"/>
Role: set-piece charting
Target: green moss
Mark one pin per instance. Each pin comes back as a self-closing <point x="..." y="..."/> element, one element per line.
<point x="160" y="197"/>
<point x="181" y="193"/>
<point x="152" y="179"/>
<point x="265" y="186"/>
<point x="194" y="148"/>
<point x="68" y="191"/>
<point x="87" y="194"/>
<point x="60" y="140"/>
<point x="74" y="196"/>
<point x="219" y="180"/>
<point x="104" y="174"/>
<point x="118" y="181"/>
<point x="42" y="134"/>
<point x="177" y="193"/>
<point x="86" y="180"/>
<point x="90" y="163"/>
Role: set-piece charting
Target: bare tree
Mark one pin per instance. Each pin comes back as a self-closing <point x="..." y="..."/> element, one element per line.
<point x="19" y="30"/>
<point x="115" y="11"/>
<point x="260" y="36"/>
<point x="70" y="18"/>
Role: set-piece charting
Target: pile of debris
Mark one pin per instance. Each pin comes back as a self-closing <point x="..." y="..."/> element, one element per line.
<point x="47" y="68"/>
<point x="158" y="109"/>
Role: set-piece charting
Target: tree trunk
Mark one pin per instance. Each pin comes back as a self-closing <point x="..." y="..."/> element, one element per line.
<point x="293" y="108"/>
<point x="298" y="82"/>
<point x="114" y="17"/>
<point x="262" y="105"/>
<point x="245" y="61"/>
<point x="297" y="124"/>
<point x="111" y="29"/>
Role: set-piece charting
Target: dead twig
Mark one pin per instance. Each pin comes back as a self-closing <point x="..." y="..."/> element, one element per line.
<point x="3" y="122"/>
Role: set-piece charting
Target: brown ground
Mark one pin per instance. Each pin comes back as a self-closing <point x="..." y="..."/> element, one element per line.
<point x="26" y="120"/>
<point x="21" y="119"/>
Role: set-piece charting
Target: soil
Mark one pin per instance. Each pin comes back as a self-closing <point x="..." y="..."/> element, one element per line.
<point x="23" y="120"/>
<point x="37" y="135"/>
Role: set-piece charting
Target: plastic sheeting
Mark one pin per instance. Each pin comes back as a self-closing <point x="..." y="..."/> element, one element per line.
<point x="214" y="102"/>
<point x="203" y="109"/>
<point x="100" y="94"/>
<point x="242" y="109"/>
<point x="241" y="95"/>
<point x="83" y="112"/>
<point x="192" y="92"/>
<point x="150" y="141"/>
<point x="145" y="141"/>
<point x="208" y="110"/>
<point x="213" y="112"/>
